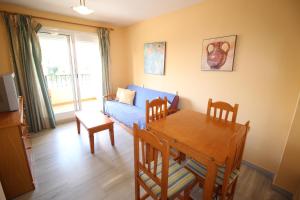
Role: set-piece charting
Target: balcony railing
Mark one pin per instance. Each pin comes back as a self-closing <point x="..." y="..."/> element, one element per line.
<point x="61" y="88"/>
<point x="65" y="80"/>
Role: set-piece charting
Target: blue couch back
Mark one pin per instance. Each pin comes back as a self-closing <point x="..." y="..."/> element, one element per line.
<point x="143" y="94"/>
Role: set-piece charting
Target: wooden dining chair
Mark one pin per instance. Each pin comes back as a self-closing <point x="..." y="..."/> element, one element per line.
<point x="227" y="176"/>
<point x="222" y="107"/>
<point x="161" y="178"/>
<point x="156" y="109"/>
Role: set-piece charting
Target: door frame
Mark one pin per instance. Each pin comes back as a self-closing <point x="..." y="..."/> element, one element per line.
<point x="69" y="115"/>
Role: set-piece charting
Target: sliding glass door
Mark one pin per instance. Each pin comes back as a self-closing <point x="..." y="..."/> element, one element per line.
<point x="72" y="68"/>
<point x="58" y="70"/>
<point x="89" y="73"/>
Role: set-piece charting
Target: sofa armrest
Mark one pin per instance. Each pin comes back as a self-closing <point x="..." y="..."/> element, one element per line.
<point x="172" y="111"/>
<point x="109" y="97"/>
<point x="174" y="105"/>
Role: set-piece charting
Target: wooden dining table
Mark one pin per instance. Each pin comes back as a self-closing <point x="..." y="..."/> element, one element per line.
<point x="200" y="137"/>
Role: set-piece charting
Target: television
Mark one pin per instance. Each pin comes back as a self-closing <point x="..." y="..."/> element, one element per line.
<point x="8" y="93"/>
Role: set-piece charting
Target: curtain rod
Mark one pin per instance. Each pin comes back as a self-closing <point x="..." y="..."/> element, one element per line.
<point x="58" y="20"/>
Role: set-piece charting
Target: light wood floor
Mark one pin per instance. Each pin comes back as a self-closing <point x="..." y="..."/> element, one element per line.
<point x="64" y="168"/>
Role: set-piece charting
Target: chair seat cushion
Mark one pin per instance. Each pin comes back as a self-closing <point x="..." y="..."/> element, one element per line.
<point x="201" y="171"/>
<point x="179" y="178"/>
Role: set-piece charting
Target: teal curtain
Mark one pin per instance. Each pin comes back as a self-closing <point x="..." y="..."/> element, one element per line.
<point x="104" y="42"/>
<point x="26" y="60"/>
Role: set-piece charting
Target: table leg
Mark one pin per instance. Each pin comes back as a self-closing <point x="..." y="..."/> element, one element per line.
<point x="111" y="134"/>
<point x="210" y="181"/>
<point x="91" y="135"/>
<point x="78" y="125"/>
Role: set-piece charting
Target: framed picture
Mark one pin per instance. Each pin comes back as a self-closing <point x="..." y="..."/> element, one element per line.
<point x="218" y="53"/>
<point x="154" y="58"/>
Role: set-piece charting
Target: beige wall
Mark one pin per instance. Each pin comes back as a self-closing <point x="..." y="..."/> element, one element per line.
<point x="119" y="70"/>
<point x="265" y="81"/>
<point x="288" y="175"/>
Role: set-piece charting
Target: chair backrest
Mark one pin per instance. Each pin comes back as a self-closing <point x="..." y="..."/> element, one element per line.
<point x="223" y="107"/>
<point x="237" y="145"/>
<point x="146" y="142"/>
<point x="156" y="109"/>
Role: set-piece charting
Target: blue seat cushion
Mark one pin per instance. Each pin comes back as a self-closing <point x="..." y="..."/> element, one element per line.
<point x="201" y="171"/>
<point x="127" y="114"/>
<point x="178" y="180"/>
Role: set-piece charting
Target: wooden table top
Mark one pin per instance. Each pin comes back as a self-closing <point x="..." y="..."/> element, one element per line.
<point x="92" y="119"/>
<point x="199" y="133"/>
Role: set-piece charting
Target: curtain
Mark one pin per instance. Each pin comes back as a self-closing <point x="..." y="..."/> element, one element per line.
<point x="103" y="34"/>
<point x="25" y="55"/>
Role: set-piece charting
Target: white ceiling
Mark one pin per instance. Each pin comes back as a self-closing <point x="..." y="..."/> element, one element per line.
<point x="118" y="12"/>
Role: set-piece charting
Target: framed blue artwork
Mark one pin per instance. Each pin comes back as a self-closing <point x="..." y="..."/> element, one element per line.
<point x="154" y="58"/>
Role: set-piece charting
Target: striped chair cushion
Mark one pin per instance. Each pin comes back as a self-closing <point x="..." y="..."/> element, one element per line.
<point x="179" y="178"/>
<point x="200" y="170"/>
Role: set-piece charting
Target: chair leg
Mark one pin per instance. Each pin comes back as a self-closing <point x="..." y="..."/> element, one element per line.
<point x="223" y="195"/>
<point x="233" y="187"/>
<point x="228" y="193"/>
<point x="186" y="194"/>
<point x="145" y="196"/>
<point x="217" y="192"/>
<point x="187" y="191"/>
<point x="137" y="190"/>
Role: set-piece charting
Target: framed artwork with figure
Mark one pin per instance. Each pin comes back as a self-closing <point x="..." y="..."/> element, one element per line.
<point x="218" y="53"/>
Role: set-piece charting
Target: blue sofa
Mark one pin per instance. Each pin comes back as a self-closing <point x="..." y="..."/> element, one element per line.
<point x="130" y="114"/>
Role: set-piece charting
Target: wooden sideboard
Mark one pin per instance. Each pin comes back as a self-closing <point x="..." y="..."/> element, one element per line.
<point x="15" y="148"/>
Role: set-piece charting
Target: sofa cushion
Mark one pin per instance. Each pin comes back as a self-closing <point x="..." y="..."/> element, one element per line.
<point x="143" y="94"/>
<point x="125" y="96"/>
<point x="127" y="114"/>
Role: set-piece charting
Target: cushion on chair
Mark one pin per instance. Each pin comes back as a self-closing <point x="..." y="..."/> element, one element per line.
<point x="179" y="178"/>
<point x="201" y="170"/>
